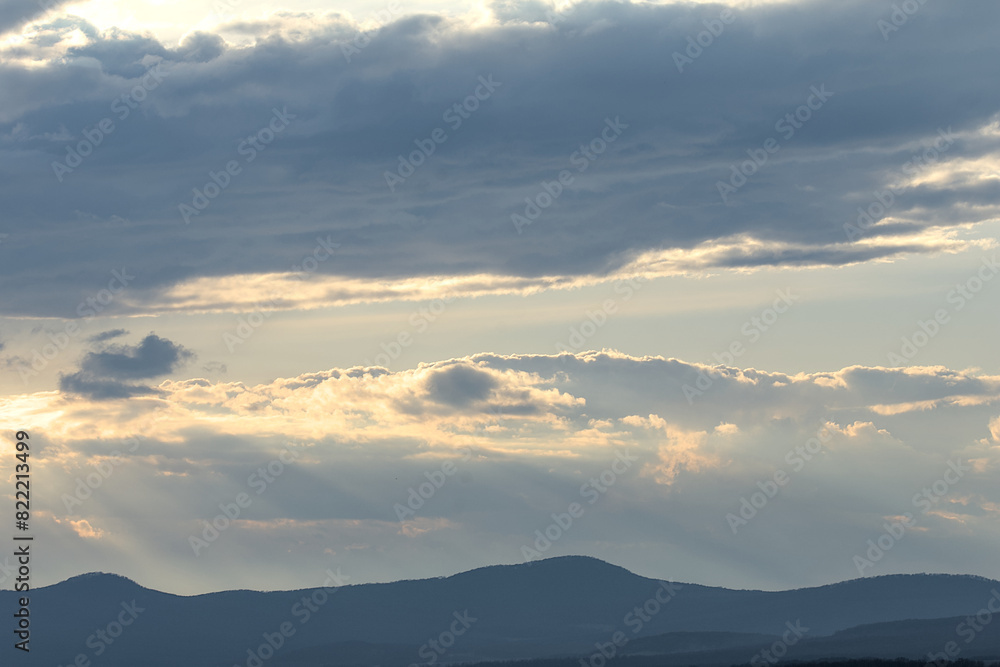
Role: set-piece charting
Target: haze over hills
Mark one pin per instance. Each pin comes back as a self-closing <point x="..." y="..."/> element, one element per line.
<point x="555" y="607"/>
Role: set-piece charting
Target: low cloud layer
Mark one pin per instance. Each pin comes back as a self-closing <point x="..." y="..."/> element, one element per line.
<point x="851" y="450"/>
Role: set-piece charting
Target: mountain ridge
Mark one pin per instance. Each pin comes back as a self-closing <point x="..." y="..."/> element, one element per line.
<point x="513" y="566"/>
<point x="555" y="607"/>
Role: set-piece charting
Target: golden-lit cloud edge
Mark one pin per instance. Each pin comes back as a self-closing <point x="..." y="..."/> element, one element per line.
<point x="308" y="291"/>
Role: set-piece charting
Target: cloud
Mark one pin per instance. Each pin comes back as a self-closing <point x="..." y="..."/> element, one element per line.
<point x="100" y="389"/>
<point x="459" y="386"/>
<point x="16" y="13"/>
<point x="524" y="432"/>
<point x="152" y="357"/>
<point x="107" y="335"/>
<point x="103" y="375"/>
<point x="648" y="203"/>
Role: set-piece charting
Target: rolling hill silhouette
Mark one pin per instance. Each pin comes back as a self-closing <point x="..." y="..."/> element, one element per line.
<point x="555" y="607"/>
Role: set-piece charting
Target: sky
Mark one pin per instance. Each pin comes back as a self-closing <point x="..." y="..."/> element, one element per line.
<point x="405" y="289"/>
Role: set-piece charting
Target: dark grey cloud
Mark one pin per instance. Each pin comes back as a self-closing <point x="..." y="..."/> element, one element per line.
<point x="15" y="13"/>
<point x="100" y="389"/>
<point x="152" y="357"/>
<point x="654" y="187"/>
<point x="460" y="385"/>
<point x="107" y="335"/>
<point x="110" y="373"/>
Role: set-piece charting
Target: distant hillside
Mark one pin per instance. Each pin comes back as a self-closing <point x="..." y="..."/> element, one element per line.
<point x="654" y="662"/>
<point x="556" y="607"/>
